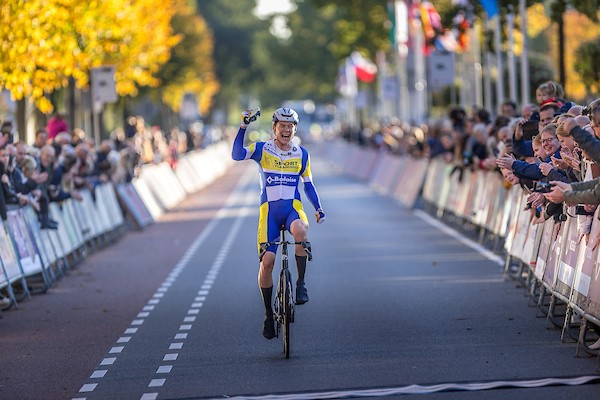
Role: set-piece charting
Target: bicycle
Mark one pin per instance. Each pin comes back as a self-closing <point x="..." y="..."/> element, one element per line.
<point x="283" y="309"/>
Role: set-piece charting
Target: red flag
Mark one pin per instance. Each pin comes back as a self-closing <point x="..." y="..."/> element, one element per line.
<point x="366" y="70"/>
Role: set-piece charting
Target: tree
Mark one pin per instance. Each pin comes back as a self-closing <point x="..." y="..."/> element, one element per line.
<point x="45" y="42"/>
<point x="361" y="25"/>
<point x="190" y="70"/>
<point x="234" y="27"/>
<point x="587" y="65"/>
<point x="301" y="66"/>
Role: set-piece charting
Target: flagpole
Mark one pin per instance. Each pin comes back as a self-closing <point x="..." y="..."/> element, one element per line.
<point x="512" y="68"/>
<point x="524" y="55"/>
<point x="499" y="64"/>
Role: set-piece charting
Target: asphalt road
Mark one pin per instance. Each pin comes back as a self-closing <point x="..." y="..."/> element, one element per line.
<point x="174" y="312"/>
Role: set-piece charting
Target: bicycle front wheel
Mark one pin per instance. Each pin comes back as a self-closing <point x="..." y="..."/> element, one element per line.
<point x="287" y="312"/>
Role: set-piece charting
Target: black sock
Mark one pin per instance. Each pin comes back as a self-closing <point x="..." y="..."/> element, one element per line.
<point x="267" y="294"/>
<point x="301" y="265"/>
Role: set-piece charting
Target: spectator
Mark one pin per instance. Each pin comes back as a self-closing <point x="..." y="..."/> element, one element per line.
<point x="509" y="109"/>
<point x="41" y="136"/>
<point x="549" y="92"/>
<point x="56" y="124"/>
<point x="527" y="110"/>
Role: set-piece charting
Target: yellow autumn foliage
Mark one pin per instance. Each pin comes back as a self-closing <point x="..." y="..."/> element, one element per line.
<point x="578" y="29"/>
<point x="199" y="77"/>
<point x="44" y="42"/>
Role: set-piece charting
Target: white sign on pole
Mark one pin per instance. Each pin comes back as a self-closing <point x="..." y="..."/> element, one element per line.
<point x="441" y="69"/>
<point x="104" y="87"/>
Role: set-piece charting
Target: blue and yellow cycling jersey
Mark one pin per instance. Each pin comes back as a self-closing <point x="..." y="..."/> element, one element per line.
<point x="280" y="175"/>
<point x="280" y="171"/>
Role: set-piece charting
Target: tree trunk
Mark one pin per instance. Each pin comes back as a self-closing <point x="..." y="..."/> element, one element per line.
<point x="561" y="50"/>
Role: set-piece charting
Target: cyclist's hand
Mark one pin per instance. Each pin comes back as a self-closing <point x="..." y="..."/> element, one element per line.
<point x="249" y="116"/>
<point x="246" y="114"/>
<point x="320" y="215"/>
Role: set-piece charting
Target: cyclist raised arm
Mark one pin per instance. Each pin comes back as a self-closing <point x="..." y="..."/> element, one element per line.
<point x="282" y="165"/>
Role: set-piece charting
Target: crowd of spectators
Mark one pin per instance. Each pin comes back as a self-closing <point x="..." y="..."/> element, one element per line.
<point x="550" y="148"/>
<point x="61" y="162"/>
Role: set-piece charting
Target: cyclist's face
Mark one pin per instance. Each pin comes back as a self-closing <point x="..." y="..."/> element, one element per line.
<point x="284" y="132"/>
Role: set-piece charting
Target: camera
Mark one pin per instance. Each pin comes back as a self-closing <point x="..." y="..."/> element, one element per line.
<point x="530" y="127"/>
<point x="542" y="187"/>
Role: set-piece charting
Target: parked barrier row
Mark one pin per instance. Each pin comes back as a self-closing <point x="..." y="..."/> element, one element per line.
<point x="31" y="258"/>
<point x="557" y="268"/>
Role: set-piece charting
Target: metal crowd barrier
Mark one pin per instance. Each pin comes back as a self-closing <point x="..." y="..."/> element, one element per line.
<point x="560" y="273"/>
<point x="32" y="259"/>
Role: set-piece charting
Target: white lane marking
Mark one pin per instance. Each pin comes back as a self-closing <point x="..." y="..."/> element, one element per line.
<point x="124" y="339"/>
<point x="214" y="270"/>
<point x="116" y="349"/>
<point x="149" y="396"/>
<point x="456" y="235"/>
<point x="156" y="382"/>
<point x="88" y="387"/>
<point x="170" y="357"/>
<point x="99" y="373"/>
<point x="176" y="271"/>
<point x="196" y="305"/>
<point x="181" y="336"/>
<point x="423" y="389"/>
<point x="164" y="369"/>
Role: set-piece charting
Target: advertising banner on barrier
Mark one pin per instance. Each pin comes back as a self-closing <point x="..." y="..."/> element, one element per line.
<point x="24" y="245"/>
<point x="9" y="258"/>
<point x="593" y="307"/>
<point x="568" y="258"/>
<point x="134" y="205"/>
<point x="585" y="265"/>
<point x="544" y="250"/>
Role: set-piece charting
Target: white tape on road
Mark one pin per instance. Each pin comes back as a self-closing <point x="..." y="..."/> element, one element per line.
<point x="461" y="238"/>
<point x="423" y="389"/>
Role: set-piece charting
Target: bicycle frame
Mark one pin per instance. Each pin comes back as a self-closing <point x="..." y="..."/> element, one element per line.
<point x="283" y="310"/>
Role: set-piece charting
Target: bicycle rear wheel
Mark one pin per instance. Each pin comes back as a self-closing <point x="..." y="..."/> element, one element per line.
<point x="287" y="312"/>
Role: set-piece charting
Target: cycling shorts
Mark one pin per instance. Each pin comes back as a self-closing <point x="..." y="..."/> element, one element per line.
<point x="274" y="214"/>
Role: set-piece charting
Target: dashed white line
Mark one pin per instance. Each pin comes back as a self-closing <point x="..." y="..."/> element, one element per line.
<point x="116" y="350"/>
<point x="164" y="369"/>
<point x="181" y="336"/>
<point x="156" y="382"/>
<point x="108" y="361"/>
<point x="170" y="357"/>
<point x="149" y="396"/>
<point x="175" y="346"/>
<point x="124" y="339"/>
<point x="99" y="373"/>
<point x="88" y="387"/>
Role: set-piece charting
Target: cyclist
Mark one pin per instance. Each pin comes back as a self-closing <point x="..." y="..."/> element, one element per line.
<point x="282" y="165"/>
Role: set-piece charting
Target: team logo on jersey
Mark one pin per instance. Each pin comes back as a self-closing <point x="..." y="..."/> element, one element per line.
<point x="281" y="180"/>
